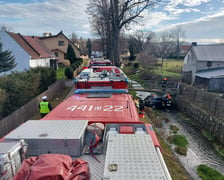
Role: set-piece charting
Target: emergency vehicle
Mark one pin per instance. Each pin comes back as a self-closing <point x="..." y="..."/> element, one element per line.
<point x="111" y="77"/>
<point x="94" y="134"/>
<point x="100" y="62"/>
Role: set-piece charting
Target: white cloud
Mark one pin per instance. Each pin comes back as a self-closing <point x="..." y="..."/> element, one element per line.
<point x="69" y="16"/>
<point x="52" y="15"/>
<point x="207" y="29"/>
<point x="174" y="6"/>
<point x="189" y="3"/>
<point x="204" y="40"/>
<point x="156" y="18"/>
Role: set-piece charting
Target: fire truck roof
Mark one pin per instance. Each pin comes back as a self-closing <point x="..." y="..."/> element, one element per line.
<point x="104" y="108"/>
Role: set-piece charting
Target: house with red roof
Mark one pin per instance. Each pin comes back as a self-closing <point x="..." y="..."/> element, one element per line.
<point x="184" y="50"/>
<point x="97" y="49"/>
<point x="58" y="44"/>
<point x="29" y="51"/>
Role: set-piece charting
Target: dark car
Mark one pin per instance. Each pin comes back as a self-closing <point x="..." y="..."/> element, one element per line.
<point x="155" y="102"/>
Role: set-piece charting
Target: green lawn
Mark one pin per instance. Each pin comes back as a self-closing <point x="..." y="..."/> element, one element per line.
<point x="166" y="73"/>
<point x="171" y="68"/>
<point x="61" y="73"/>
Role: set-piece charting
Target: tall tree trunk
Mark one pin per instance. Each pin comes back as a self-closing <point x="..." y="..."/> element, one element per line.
<point x="115" y="33"/>
<point x="116" y="47"/>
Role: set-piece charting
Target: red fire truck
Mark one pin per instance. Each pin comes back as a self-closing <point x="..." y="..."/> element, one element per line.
<point x="111" y="77"/>
<point x="100" y="62"/>
<point x="94" y="134"/>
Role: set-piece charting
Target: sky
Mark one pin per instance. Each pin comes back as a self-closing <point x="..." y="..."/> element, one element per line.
<point x="201" y="20"/>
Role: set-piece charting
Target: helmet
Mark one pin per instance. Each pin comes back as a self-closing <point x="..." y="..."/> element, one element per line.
<point x="44" y="97"/>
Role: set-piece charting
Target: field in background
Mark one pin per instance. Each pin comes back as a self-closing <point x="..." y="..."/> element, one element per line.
<point x="171" y="68"/>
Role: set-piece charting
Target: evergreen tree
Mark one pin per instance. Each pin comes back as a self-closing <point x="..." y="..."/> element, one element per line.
<point x="7" y="61"/>
<point x="70" y="54"/>
<point x="69" y="72"/>
<point x="132" y="54"/>
<point x="89" y="47"/>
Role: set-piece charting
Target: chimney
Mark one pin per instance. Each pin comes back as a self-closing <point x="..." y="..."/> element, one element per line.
<point x="3" y="28"/>
<point x="47" y="34"/>
<point x="194" y="44"/>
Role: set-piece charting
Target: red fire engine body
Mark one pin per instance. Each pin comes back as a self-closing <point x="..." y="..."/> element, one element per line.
<point x="97" y="108"/>
<point x="101" y="68"/>
<point x="94" y="77"/>
<point x="95" y="134"/>
<point x="100" y="62"/>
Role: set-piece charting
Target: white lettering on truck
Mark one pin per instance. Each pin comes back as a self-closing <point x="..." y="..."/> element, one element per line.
<point x="96" y="108"/>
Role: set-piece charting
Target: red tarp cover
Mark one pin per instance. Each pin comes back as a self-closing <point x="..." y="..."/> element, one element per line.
<point x="53" y="167"/>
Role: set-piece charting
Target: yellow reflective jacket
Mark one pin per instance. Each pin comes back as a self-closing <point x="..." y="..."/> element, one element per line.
<point x="44" y="108"/>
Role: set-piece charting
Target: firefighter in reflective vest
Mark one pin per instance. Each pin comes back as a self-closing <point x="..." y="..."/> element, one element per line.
<point x="45" y="106"/>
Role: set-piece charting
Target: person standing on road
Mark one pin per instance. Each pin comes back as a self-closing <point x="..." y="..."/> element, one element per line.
<point x="168" y="102"/>
<point x="44" y="106"/>
<point x="164" y="82"/>
<point x="141" y="105"/>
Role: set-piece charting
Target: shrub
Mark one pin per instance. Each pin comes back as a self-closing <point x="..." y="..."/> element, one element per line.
<point x="20" y="87"/>
<point x="136" y="65"/>
<point x="74" y="66"/>
<point x="174" y="129"/>
<point x="179" y="140"/>
<point x="48" y="77"/>
<point x="69" y="72"/>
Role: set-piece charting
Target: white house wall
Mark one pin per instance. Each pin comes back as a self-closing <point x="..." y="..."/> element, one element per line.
<point x="21" y="56"/>
<point x="202" y="65"/>
<point x="190" y="64"/>
<point x="40" y="62"/>
<point x="97" y="53"/>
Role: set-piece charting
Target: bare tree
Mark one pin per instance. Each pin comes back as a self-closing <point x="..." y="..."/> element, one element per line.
<point x="166" y="46"/>
<point x="146" y="59"/>
<point x="141" y="39"/>
<point x="82" y="46"/>
<point x="100" y="23"/>
<point x="221" y="41"/>
<point x="79" y="42"/>
<point x="178" y="35"/>
<point x="119" y="14"/>
<point x="74" y="38"/>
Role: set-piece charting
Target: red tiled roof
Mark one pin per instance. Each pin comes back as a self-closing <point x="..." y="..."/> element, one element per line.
<point x="60" y="33"/>
<point x="39" y="46"/>
<point x="32" y="45"/>
<point x="97" y="48"/>
<point x="185" y="47"/>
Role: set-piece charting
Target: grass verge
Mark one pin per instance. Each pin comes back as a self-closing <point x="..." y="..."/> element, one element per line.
<point x="207" y="173"/>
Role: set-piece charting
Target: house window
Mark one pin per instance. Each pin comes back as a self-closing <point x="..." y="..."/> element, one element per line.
<point x="56" y="54"/>
<point x="61" y="43"/>
<point x="209" y="64"/>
